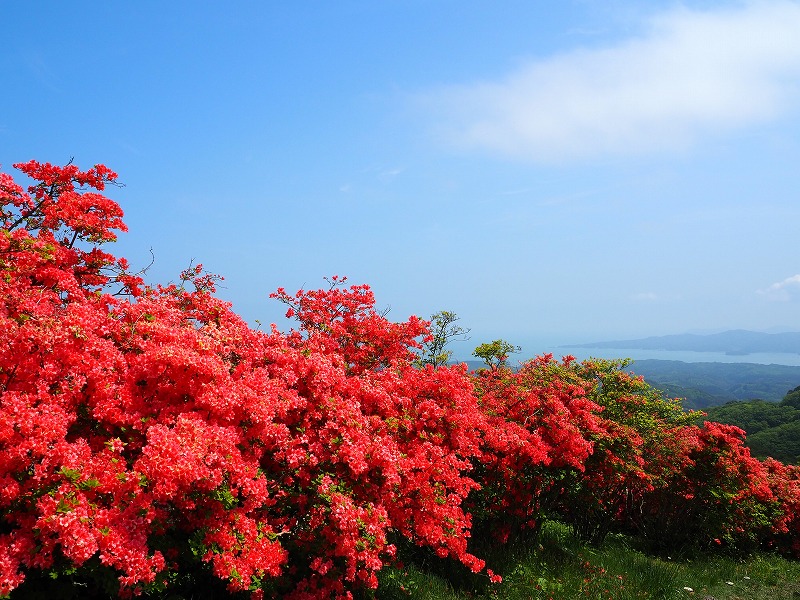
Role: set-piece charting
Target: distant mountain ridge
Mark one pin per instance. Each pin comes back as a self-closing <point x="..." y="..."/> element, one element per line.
<point x="706" y="384"/>
<point x="734" y="342"/>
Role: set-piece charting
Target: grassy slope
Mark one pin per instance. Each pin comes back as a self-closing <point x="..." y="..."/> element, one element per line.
<point x="560" y="568"/>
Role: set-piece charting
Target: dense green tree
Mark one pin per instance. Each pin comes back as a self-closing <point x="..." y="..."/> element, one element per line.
<point x="792" y="398"/>
<point x="495" y="354"/>
<point x="773" y="429"/>
<point x="781" y="443"/>
<point x="753" y="416"/>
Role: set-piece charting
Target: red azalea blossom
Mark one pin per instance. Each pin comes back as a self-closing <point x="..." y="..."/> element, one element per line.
<point x="149" y="431"/>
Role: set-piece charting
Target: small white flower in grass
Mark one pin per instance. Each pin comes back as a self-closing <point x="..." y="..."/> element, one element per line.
<point x="746" y="577"/>
<point x="729" y="582"/>
<point x="688" y="589"/>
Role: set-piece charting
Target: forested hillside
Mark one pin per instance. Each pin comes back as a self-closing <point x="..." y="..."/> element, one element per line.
<point x="772" y="429"/>
<point x="707" y="384"/>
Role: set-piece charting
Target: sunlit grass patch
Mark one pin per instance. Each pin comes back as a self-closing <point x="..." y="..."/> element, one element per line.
<point x="558" y="567"/>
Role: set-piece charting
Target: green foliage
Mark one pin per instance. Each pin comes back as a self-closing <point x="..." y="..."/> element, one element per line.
<point x="631" y="400"/>
<point x="753" y="416"/>
<point x="712" y="384"/>
<point x="781" y="442"/>
<point x="559" y="567"/>
<point x="792" y="398"/>
<point x="495" y="354"/>
<point x="637" y="424"/>
<point x="773" y="430"/>
<point x="443" y="331"/>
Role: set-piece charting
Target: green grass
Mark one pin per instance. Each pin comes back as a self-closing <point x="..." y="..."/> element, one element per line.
<point x="558" y="567"/>
<point x="553" y="567"/>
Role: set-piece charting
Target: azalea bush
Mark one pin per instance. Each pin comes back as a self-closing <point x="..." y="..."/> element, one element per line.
<point x="537" y="432"/>
<point x="784" y="533"/>
<point x="635" y="422"/>
<point x="708" y="491"/>
<point x="656" y="475"/>
<point x="150" y="439"/>
<point x="150" y="428"/>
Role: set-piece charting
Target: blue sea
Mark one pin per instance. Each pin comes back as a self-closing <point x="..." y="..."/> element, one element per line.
<point x="777" y="358"/>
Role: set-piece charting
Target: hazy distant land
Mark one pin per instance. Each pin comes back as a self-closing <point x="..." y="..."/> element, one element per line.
<point x="705" y="384"/>
<point x="736" y="342"/>
<point x="712" y="383"/>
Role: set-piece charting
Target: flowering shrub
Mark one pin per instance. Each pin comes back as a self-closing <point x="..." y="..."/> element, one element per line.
<point x="707" y="491"/>
<point x="65" y="488"/>
<point x="148" y="432"/>
<point x="784" y="532"/>
<point x="157" y="432"/>
<point x="635" y="421"/>
<point x="536" y="432"/>
<point x="379" y="448"/>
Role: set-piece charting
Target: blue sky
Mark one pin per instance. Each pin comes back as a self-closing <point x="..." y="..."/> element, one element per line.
<point x="553" y="172"/>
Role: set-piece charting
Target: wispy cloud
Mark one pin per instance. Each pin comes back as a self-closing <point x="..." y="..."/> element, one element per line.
<point x="784" y="291"/>
<point x="690" y="73"/>
<point x="645" y="297"/>
<point x="390" y="174"/>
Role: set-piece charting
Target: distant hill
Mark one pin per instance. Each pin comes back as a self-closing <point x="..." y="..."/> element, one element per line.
<point x="705" y="384"/>
<point x="773" y="429"/>
<point x="735" y="342"/>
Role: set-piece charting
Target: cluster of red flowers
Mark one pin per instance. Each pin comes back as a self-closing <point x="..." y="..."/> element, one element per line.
<point x="149" y="430"/>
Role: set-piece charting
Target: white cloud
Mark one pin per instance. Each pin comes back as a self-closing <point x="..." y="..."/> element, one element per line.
<point x="690" y="73"/>
<point x="784" y="290"/>
<point x="645" y="297"/>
